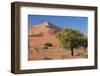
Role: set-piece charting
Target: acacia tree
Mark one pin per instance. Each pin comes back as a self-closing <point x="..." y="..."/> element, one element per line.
<point x="69" y="38"/>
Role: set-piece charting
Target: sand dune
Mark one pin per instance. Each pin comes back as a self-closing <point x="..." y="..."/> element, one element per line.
<point x="39" y="35"/>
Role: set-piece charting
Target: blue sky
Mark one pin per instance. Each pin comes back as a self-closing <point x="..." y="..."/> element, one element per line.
<point x="80" y="23"/>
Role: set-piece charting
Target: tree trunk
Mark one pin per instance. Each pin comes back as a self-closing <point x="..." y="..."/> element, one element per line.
<point x="72" y="52"/>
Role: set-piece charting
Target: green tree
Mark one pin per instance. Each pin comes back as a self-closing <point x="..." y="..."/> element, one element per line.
<point x="84" y="41"/>
<point x="69" y="38"/>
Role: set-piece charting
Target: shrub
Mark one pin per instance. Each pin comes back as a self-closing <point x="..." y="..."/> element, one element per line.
<point x="47" y="58"/>
<point x="48" y="44"/>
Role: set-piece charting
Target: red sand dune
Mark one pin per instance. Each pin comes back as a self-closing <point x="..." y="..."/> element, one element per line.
<point x="39" y="35"/>
<point x="42" y="33"/>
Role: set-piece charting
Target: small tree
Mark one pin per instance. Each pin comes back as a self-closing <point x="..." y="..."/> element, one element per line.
<point x="69" y="38"/>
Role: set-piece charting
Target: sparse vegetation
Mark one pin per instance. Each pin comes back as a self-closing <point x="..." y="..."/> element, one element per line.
<point x="48" y="44"/>
<point x="46" y="58"/>
<point x="52" y="42"/>
<point x="45" y="47"/>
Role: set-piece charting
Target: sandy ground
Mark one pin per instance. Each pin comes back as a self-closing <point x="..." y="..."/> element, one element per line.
<point x="56" y="53"/>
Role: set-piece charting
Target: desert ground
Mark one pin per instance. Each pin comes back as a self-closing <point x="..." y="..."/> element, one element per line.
<point x="39" y="35"/>
<point x="56" y="53"/>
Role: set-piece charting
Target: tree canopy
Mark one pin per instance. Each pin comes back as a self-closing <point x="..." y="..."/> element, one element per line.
<point x="71" y="38"/>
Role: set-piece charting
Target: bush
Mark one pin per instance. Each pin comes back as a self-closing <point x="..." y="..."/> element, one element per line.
<point x="45" y="47"/>
<point x="47" y="58"/>
<point x="48" y="44"/>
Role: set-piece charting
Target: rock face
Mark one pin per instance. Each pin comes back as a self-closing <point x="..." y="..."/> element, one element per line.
<point x="41" y="34"/>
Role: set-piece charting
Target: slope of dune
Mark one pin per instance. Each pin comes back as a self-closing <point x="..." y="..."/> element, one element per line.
<point x="45" y="28"/>
<point x="42" y="33"/>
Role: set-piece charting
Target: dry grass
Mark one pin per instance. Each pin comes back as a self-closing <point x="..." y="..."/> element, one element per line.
<point x="56" y="53"/>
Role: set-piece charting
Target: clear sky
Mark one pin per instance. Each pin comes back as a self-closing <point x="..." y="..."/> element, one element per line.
<point x="80" y="23"/>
